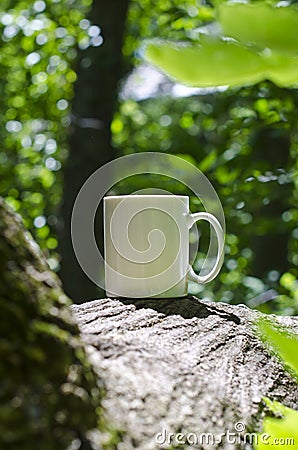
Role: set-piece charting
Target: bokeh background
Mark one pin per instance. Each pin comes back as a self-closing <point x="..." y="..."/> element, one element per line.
<point x="76" y="93"/>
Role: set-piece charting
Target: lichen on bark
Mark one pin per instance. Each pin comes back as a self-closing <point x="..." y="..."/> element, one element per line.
<point x="174" y="368"/>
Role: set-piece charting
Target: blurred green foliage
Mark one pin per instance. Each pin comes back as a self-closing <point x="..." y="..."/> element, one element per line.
<point x="38" y="47"/>
<point x="281" y="429"/>
<point x="249" y="43"/>
<point x="215" y="132"/>
<point x="244" y="139"/>
<point x="282" y="342"/>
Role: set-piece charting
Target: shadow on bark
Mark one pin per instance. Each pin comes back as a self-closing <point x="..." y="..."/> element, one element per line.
<point x="187" y="307"/>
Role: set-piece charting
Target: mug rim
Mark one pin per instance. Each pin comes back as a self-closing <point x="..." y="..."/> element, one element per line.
<point x="145" y="196"/>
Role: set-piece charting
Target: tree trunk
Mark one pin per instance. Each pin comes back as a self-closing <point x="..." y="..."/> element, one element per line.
<point x="99" y="71"/>
<point x="166" y="366"/>
<point x="271" y="152"/>
<point x="43" y="366"/>
<point x="181" y="366"/>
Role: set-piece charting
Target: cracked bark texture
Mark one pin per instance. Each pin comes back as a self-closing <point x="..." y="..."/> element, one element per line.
<point x="181" y="365"/>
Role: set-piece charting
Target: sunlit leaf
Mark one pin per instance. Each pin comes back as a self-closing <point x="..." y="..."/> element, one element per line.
<point x="285" y="71"/>
<point x="279" y="431"/>
<point x="187" y="158"/>
<point x="208" y="161"/>
<point x="261" y="24"/>
<point x="212" y="62"/>
<point x="217" y="62"/>
<point x="284" y="343"/>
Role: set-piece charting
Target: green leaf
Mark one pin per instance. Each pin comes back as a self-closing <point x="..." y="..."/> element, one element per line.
<point x="278" y="431"/>
<point x="212" y="62"/>
<point x="261" y="24"/>
<point x="208" y="161"/>
<point x="283" y="342"/>
<point x="285" y="71"/>
<point x="217" y="62"/>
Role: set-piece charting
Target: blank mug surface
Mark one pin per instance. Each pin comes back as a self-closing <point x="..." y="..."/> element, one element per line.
<point x="146" y="239"/>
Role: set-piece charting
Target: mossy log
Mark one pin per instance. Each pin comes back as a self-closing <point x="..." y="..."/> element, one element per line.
<point x="182" y="366"/>
<point x="48" y="392"/>
<point x="165" y="366"/>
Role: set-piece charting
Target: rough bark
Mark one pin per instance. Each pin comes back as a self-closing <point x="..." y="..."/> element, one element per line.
<point x="48" y="392"/>
<point x="181" y="365"/>
<point x="90" y="147"/>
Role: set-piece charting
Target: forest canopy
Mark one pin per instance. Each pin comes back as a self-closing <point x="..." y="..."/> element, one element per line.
<point x="244" y="138"/>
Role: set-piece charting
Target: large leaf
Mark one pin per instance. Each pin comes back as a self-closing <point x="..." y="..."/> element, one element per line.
<point x="262" y="25"/>
<point x="277" y="431"/>
<point x="212" y="62"/>
<point x="284" y="71"/>
<point x="217" y="62"/>
<point x="284" y="343"/>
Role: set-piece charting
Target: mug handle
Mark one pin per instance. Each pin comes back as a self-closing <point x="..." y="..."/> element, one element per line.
<point x="192" y="219"/>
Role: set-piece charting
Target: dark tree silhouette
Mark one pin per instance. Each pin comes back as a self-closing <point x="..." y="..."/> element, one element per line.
<point x="99" y="72"/>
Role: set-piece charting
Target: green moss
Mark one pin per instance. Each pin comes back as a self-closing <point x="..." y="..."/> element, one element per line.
<point x="48" y="392"/>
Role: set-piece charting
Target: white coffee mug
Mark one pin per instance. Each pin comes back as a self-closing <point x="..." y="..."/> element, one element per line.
<point x="146" y="240"/>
